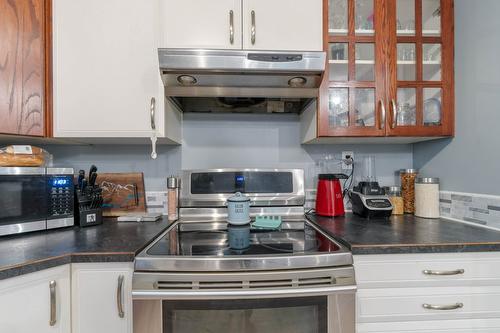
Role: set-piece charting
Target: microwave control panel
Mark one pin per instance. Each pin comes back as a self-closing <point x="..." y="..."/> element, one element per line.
<point x="61" y="195"/>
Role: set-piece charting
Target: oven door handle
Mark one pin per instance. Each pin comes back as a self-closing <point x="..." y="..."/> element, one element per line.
<point x="243" y="293"/>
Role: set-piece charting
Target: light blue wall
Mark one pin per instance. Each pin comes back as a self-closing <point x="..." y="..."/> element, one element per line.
<point x="230" y="141"/>
<point x="471" y="161"/>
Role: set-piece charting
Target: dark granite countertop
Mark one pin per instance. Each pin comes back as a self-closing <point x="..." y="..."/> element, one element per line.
<point x="110" y="242"/>
<point x="408" y="234"/>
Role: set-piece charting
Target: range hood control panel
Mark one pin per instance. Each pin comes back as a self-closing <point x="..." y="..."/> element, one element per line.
<point x="274" y="57"/>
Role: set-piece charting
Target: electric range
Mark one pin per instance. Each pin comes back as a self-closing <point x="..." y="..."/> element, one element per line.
<point x="202" y="267"/>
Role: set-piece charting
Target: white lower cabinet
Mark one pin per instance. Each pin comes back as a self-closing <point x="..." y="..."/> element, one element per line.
<point x="102" y="297"/>
<point x="410" y="293"/>
<point x="37" y="302"/>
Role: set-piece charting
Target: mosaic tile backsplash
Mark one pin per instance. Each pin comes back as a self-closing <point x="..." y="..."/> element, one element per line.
<point x="474" y="208"/>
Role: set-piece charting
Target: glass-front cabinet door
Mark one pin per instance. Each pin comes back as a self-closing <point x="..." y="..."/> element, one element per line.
<point x="420" y="68"/>
<point x="353" y="95"/>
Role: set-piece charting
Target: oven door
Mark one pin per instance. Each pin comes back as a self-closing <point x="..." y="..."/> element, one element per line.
<point x="23" y="200"/>
<point x="319" y="301"/>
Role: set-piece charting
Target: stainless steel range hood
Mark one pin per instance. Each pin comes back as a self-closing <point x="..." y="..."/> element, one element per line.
<point x="241" y="81"/>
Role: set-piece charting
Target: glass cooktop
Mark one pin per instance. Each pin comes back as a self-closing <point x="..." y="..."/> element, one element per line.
<point x="218" y="239"/>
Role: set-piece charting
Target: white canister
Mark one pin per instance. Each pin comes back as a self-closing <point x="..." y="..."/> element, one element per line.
<point x="238" y="209"/>
<point x="427" y="197"/>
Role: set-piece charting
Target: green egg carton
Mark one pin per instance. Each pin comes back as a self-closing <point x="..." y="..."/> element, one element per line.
<point x="267" y="222"/>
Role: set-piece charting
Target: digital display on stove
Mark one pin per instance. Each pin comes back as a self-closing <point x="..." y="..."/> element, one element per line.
<point x="245" y="182"/>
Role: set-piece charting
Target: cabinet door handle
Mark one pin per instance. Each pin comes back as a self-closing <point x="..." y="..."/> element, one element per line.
<point x="382" y="118"/>
<point x="231" y="27"/>
<point x="443" y="307"/>
<point x="119" y="296"/>
<point x="394" y="114"/>
<point x="53" y="305"/>
<point x="253" y="31"/>
<point x="454" y="272"/>
<point x="152" y="110"/>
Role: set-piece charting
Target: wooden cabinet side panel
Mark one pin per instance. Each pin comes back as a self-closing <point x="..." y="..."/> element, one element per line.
<point x="22" y="76"/>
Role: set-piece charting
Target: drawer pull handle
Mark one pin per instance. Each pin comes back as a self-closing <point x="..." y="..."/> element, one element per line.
<point x="455" y="272"/>
<point x="119" y="296"/>
<point x="443" y="307"/>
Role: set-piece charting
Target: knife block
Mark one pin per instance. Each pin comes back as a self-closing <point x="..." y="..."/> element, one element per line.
<point x="87" y="213"/>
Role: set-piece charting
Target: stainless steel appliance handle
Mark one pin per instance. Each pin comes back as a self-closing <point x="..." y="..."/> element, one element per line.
<point x="152" y="110"/>
<point x="119" y="296"/>
<point x="443" y="307"/>
<point x="433" y="272"/>
<point x="383" y="114"/>
<point x="230" y="294"/>
<point x="253" y="30"/>
<point x="231" y="27"/>
<point x="394" y="114"/>
<point x="53" y="305"/>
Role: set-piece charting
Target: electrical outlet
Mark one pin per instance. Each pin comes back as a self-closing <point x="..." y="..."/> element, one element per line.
<point x="346" y="155"/>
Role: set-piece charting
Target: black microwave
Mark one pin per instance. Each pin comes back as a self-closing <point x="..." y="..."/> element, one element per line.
<point x="33" y="199"/>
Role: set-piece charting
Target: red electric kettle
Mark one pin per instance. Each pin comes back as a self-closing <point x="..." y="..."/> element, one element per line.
<point x="329" y="196"/>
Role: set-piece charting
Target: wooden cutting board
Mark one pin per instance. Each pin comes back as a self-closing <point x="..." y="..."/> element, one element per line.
<point x="123" y="193"/>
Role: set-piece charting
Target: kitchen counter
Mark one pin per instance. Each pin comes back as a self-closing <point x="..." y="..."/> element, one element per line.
<point x="408" y="234"/>
<point x="109" y="242"/>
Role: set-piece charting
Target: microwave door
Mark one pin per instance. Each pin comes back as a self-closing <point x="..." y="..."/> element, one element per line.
<point x="23" y="199"/>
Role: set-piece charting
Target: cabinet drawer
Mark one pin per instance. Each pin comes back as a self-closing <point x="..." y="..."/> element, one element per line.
<point x="416" y="270"/>
<point x="443" y="326"/>
<point x="407" y="304"/>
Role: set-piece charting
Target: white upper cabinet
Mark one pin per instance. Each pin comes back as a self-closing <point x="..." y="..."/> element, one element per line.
<point x="106" y="69"/>
<point x="36" y="302"/>
<point x="201" y="24"/>
<point x="280" y="25"/>
<point x="283" y="25"/>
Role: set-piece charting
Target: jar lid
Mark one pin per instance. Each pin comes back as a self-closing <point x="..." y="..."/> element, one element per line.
<point x="408" y="171"/>
<point x="392" y="190"/>
<point x="238" y="197"/>
<point x="427" y="180"/>
<point x="172" y="182"/>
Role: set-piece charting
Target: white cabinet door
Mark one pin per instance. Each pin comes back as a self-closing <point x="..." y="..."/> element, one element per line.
<point x="106" y="68"/>
<point x="283" y="25"/>
<point x="201" y="24"/>
<point x="25" y="302"/>
<point x="101" y="297"/>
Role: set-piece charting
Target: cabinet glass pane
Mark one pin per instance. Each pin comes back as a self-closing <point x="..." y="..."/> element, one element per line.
<point x="432" y="106"/>
<point x="364" y="106"/>
<point x="432" y="62"/>
<point x="405" y="20"/>
<point x="407" y="107"/>
<point x="365" y="62"/>
<point x="364" y="17"/>
<point x="431" y="17"/>
<point x="406" y="62"/>
<point x="338" y="107"/>
<point x="337" y="17"/>
<point x="338" y="61"/>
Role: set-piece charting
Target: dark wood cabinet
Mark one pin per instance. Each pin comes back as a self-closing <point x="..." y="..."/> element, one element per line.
<point x="390" y="69"/>
<point x="24" y="67"/>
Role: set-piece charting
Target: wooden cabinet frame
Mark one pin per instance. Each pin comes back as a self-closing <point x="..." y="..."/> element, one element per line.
<point x="27" y="69"/>
<point x="386" y="83"/>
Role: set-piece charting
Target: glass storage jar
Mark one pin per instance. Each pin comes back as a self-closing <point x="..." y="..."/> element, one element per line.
<point x="394" y="194"/>
<point x="427" y="197"/>
<point x="408" y="177"/>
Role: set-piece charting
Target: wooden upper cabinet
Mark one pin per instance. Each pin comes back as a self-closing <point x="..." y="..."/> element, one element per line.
<point x="22" y="67"/>
<point x="390" y="69"/>
<point x="420" y="68"/>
